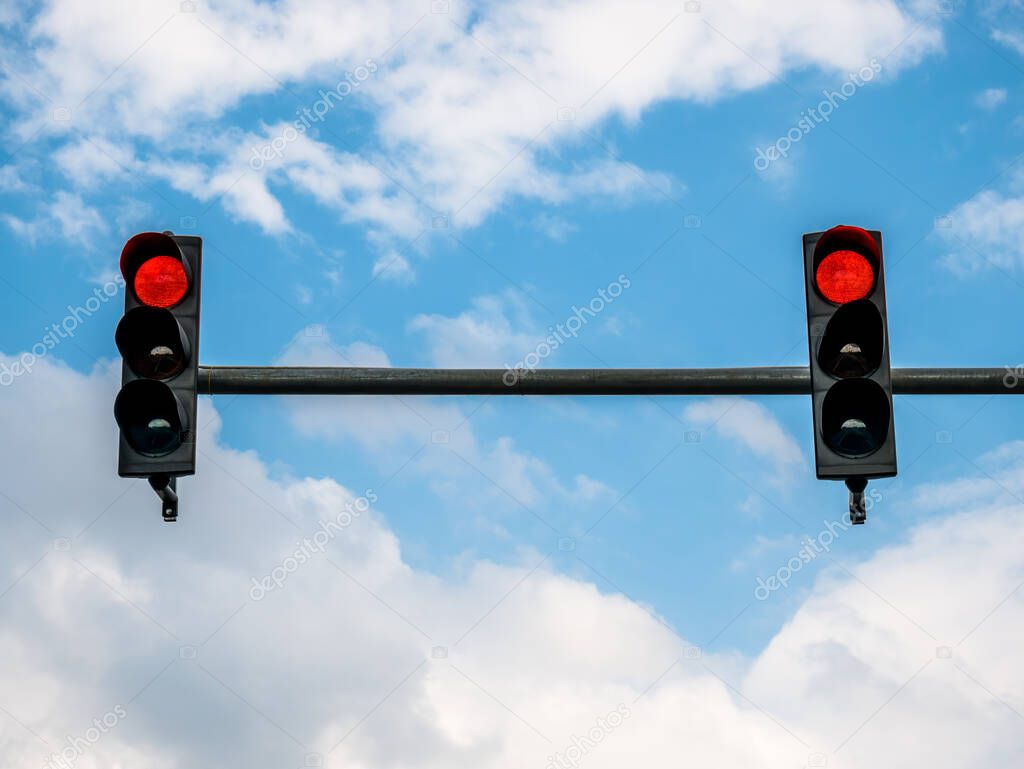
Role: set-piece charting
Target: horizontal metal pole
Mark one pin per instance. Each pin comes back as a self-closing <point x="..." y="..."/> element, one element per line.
<point x="767" y="380"/>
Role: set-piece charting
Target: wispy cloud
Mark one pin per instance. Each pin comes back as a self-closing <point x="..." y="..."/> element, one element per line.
<point x="990" y="98"/>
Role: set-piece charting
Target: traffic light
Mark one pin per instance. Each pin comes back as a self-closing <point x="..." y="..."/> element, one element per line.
<point x="158" y="338"/>
<point x="851" y="386"/>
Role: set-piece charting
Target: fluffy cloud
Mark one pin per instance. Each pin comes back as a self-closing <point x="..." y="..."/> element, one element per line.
<point x="355" y="655"/>
<point x="492" y="333"/>
<point x="752" y="426"/>
<point x="394" y="267"/>
<point x="1014" y="40"/>
<point x="1000" y="480"/>
<point x="436" y="435"/>
<point x="934" y="645"/>
<point x="470" y="106"/>
<point x="379" y="423"/>
<point x="985" y="232"/>
<point x="88" y="163"/>
<point x="10" y="180"/>
<point x="68" y="215"/>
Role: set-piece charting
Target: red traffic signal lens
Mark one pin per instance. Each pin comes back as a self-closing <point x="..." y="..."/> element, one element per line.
<point x="161" y="281"/>
<point x="844" y="276"/>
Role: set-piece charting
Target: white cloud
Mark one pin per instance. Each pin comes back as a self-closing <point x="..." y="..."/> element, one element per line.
<point x="89" y="162"/>
<point x="903" y="661"/>
<point x="929" y="645"/>
<point x="555" y="227"/>
<point x="496" y="331"/>
<point x="394" y="267"/>
<point x="999" y="480"/>
<point x="67" y="215"/>
<point x="379" y="423"/>
<point x="77" y="221"/>
<point x="984" y="232"/>
<point x="9" y="15"/>
<point x="466" y="105"/>
<point x="359" y="191"/>
<point x="1011" y="38"/>
<point x="751" y="425"/>
<point x="130" y="215"/>
<point x="247" y="48"/>
<point x="435" y="434"/>
<point x="10" y="179"/>
<point x="990" y="98"/>
<point x="243" y="193"/>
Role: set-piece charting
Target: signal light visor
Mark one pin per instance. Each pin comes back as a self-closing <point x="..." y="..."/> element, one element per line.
<point x="153" y="267"/>
<point x="846" y="261"/>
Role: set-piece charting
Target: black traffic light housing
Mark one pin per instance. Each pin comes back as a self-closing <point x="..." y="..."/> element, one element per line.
<point x="848" y="339"/>
<point x="158" y="338"/>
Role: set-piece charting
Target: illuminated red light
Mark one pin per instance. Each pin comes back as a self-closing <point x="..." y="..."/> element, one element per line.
<point x="844" y="276"/>
<point x="161" y="281"/>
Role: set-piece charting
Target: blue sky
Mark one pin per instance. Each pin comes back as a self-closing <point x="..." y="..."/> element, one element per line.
<point x="484" y="172"/>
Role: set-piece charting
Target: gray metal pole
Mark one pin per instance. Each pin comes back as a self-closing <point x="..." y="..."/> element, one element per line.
<point x="768" y="380"/>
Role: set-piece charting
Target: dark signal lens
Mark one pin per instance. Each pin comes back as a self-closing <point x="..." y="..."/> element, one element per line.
<point x="152" y="343"/>
<point x="853" y="342"/>
<point x="161" y="281"/>
<point x="855" y="417"/>
<point x="156" y="438"/>
<point x="844" y="276"/>
<point x="150" y="417"/>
